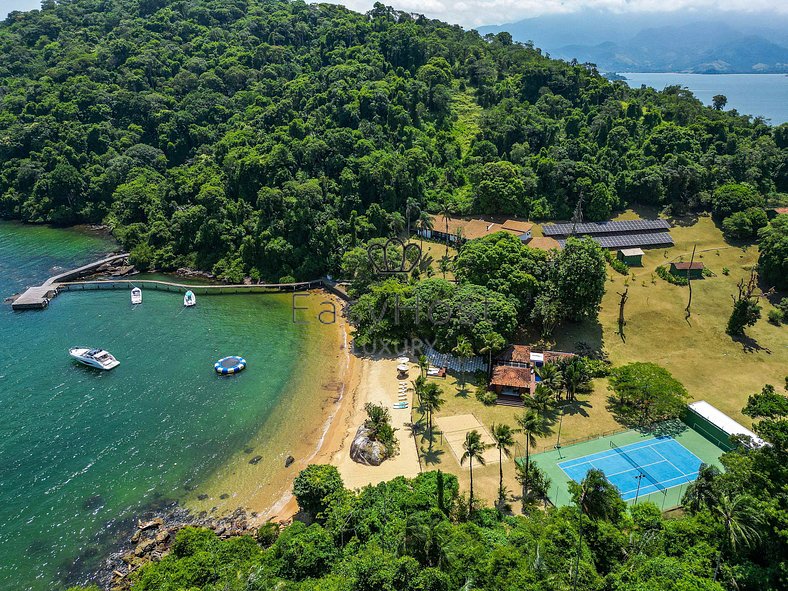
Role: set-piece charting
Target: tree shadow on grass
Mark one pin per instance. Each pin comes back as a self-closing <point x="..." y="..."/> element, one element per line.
<point x="432" y="455"/>
<point x="576" y="407"/>
<point x="750" y="345"/>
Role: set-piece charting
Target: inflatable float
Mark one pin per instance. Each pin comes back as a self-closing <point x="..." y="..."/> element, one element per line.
<point x="230" y="365"/>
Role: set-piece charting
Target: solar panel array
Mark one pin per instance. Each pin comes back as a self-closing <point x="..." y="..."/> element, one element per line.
<point x="629" y="240"/>
<point x="605" y="227"/>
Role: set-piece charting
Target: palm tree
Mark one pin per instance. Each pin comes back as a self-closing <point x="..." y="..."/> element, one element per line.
<point x="574" y="377"/>
<point x="542" y="400"/>
<point x="423" y="365"/>
<point x="431" y="401"/>
<point x="410" y="205"/>
<point x="551" y="377"/>
<point x="740" y="521"/>
<point x="493" y="343"/>
<point x="423" y="224"/>
<point x="533" y="425"/>
<point x="503" y="435"/>
<point x="445" y="210"/>
<point x="444" y="265"/>
<point x="464" y="350"/>
<point x="474" y="448"/>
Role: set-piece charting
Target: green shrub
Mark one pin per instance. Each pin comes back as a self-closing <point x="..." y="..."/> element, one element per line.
<point x="267" y="534"/>
<point x="314" y="484"/>
<point x="665" y="274"/>
<point x="775" y="317"/>
<point x="726" y="271"/>
<point x="486" y="396"/>
<point x="191" y="540"/>
<point x="597" y="368"/>
<point x="619" y="266"/>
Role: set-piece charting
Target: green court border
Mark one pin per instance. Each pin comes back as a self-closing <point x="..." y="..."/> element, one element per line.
<point x="707" y="451"/>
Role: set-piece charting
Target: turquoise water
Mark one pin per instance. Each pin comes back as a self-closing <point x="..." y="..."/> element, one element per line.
<point x="751" y="94"/>
<point x="82" y="450"/>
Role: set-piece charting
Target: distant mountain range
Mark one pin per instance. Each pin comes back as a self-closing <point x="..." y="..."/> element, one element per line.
<point x="661" y="42"/>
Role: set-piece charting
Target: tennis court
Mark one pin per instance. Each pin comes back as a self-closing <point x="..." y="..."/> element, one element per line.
<point x="655" y="464"/>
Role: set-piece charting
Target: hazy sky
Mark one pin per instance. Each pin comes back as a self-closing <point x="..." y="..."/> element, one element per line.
<point x="472" y="13"/>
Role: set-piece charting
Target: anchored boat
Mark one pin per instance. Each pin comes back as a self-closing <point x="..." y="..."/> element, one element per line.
<point x="136" y="296"/>
<point x="97" y="358"/>
<point x="189" y="300"/>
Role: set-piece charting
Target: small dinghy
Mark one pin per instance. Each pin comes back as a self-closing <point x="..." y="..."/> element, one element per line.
<point x="136" y="296"/>
<point x="97" y="358"/>
<point x="189" y="300"/>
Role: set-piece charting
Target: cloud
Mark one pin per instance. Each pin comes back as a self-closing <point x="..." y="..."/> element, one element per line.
<point x="472" y="13"/>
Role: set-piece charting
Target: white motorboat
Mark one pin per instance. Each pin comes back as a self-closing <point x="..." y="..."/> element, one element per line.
<point x="136" y="296"/>
<point x="97" y="358"/>
<point x="189" y="300"/>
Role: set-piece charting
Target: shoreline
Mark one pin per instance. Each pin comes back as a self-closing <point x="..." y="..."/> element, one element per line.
<point x="302" y="426"/>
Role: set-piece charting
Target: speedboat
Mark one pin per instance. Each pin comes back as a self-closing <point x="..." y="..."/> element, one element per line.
<point x="136" y="296"/>
<point x="97" y="358"/>
<point x="189" y="300"/>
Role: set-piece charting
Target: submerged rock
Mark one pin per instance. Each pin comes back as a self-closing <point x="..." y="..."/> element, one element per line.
<point x="255" y="460"/>
<point x="365" y="451"/>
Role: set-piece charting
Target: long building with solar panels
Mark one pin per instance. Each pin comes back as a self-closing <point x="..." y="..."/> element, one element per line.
<point x="615" y="235"/>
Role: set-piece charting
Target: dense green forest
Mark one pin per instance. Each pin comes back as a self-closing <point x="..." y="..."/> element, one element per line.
<point x="419" y="535"/>
<point x="267" y="138"/>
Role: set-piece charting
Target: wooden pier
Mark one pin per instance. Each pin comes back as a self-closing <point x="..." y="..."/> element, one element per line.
<point x="38" y="298"/>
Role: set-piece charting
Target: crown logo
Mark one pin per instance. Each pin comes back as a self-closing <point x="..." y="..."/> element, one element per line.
<point x="389" y="266"/>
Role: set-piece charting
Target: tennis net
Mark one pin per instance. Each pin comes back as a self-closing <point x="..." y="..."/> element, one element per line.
<point x="640" y="468"/>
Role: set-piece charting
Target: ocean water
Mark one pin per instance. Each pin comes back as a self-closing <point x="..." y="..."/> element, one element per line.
<point x="82" y="451"/>
<point x="751" y="94"/>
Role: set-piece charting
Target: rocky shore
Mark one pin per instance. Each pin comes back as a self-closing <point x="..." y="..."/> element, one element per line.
<point x="152" y="536"/>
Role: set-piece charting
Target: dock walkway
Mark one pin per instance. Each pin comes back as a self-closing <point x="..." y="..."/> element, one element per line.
<point x="38" y="298"/>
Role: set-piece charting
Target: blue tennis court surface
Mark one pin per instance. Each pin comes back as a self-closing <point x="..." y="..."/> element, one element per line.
<point x="663" y="461"/>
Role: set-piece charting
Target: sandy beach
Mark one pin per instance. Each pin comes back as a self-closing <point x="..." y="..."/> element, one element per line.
<point x="340" y="384"/>
<point x="378" y="383"/>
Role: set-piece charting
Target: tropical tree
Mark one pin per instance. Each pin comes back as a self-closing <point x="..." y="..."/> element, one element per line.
<point x="551" y="377"/>
<point x="740" y="521"/>
<point x="492" y="343"/>
<point x="464" y="350"/>
<point x="533" y="425"/>
<point x="575" y="375"/>
<point x="597" y="498"/>
<point x="503" y="435"/>
<point x="431" y="401"/>
<point x="541" y="400"/>
<point x="423" y="225"/>
<point x="445" y="209"/>
<point x="424" y="365"/>
<point x="474" y="449"/>
<point x="700" y="493"/>
<point x="646" y="393"/>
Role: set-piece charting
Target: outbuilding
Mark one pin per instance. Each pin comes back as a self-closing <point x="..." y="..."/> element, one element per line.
<point x="632" y="257"/>
<point x="692" y="270"/>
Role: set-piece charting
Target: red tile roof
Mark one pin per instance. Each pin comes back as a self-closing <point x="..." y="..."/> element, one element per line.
<point x="515" y="353"/>
<point x="685" y="266"/>
<point x="508" y="376"/>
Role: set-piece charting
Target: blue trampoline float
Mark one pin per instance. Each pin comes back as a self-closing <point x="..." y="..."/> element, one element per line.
<point x="663" y="462"/>
<point x="230" y="365"/>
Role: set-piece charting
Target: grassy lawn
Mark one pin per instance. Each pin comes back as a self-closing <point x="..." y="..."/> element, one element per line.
<point x="711" y="365"/>
<point x="584" y="418"/>
<point x="468" y="113"/>
<point x="436" y="251"/>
